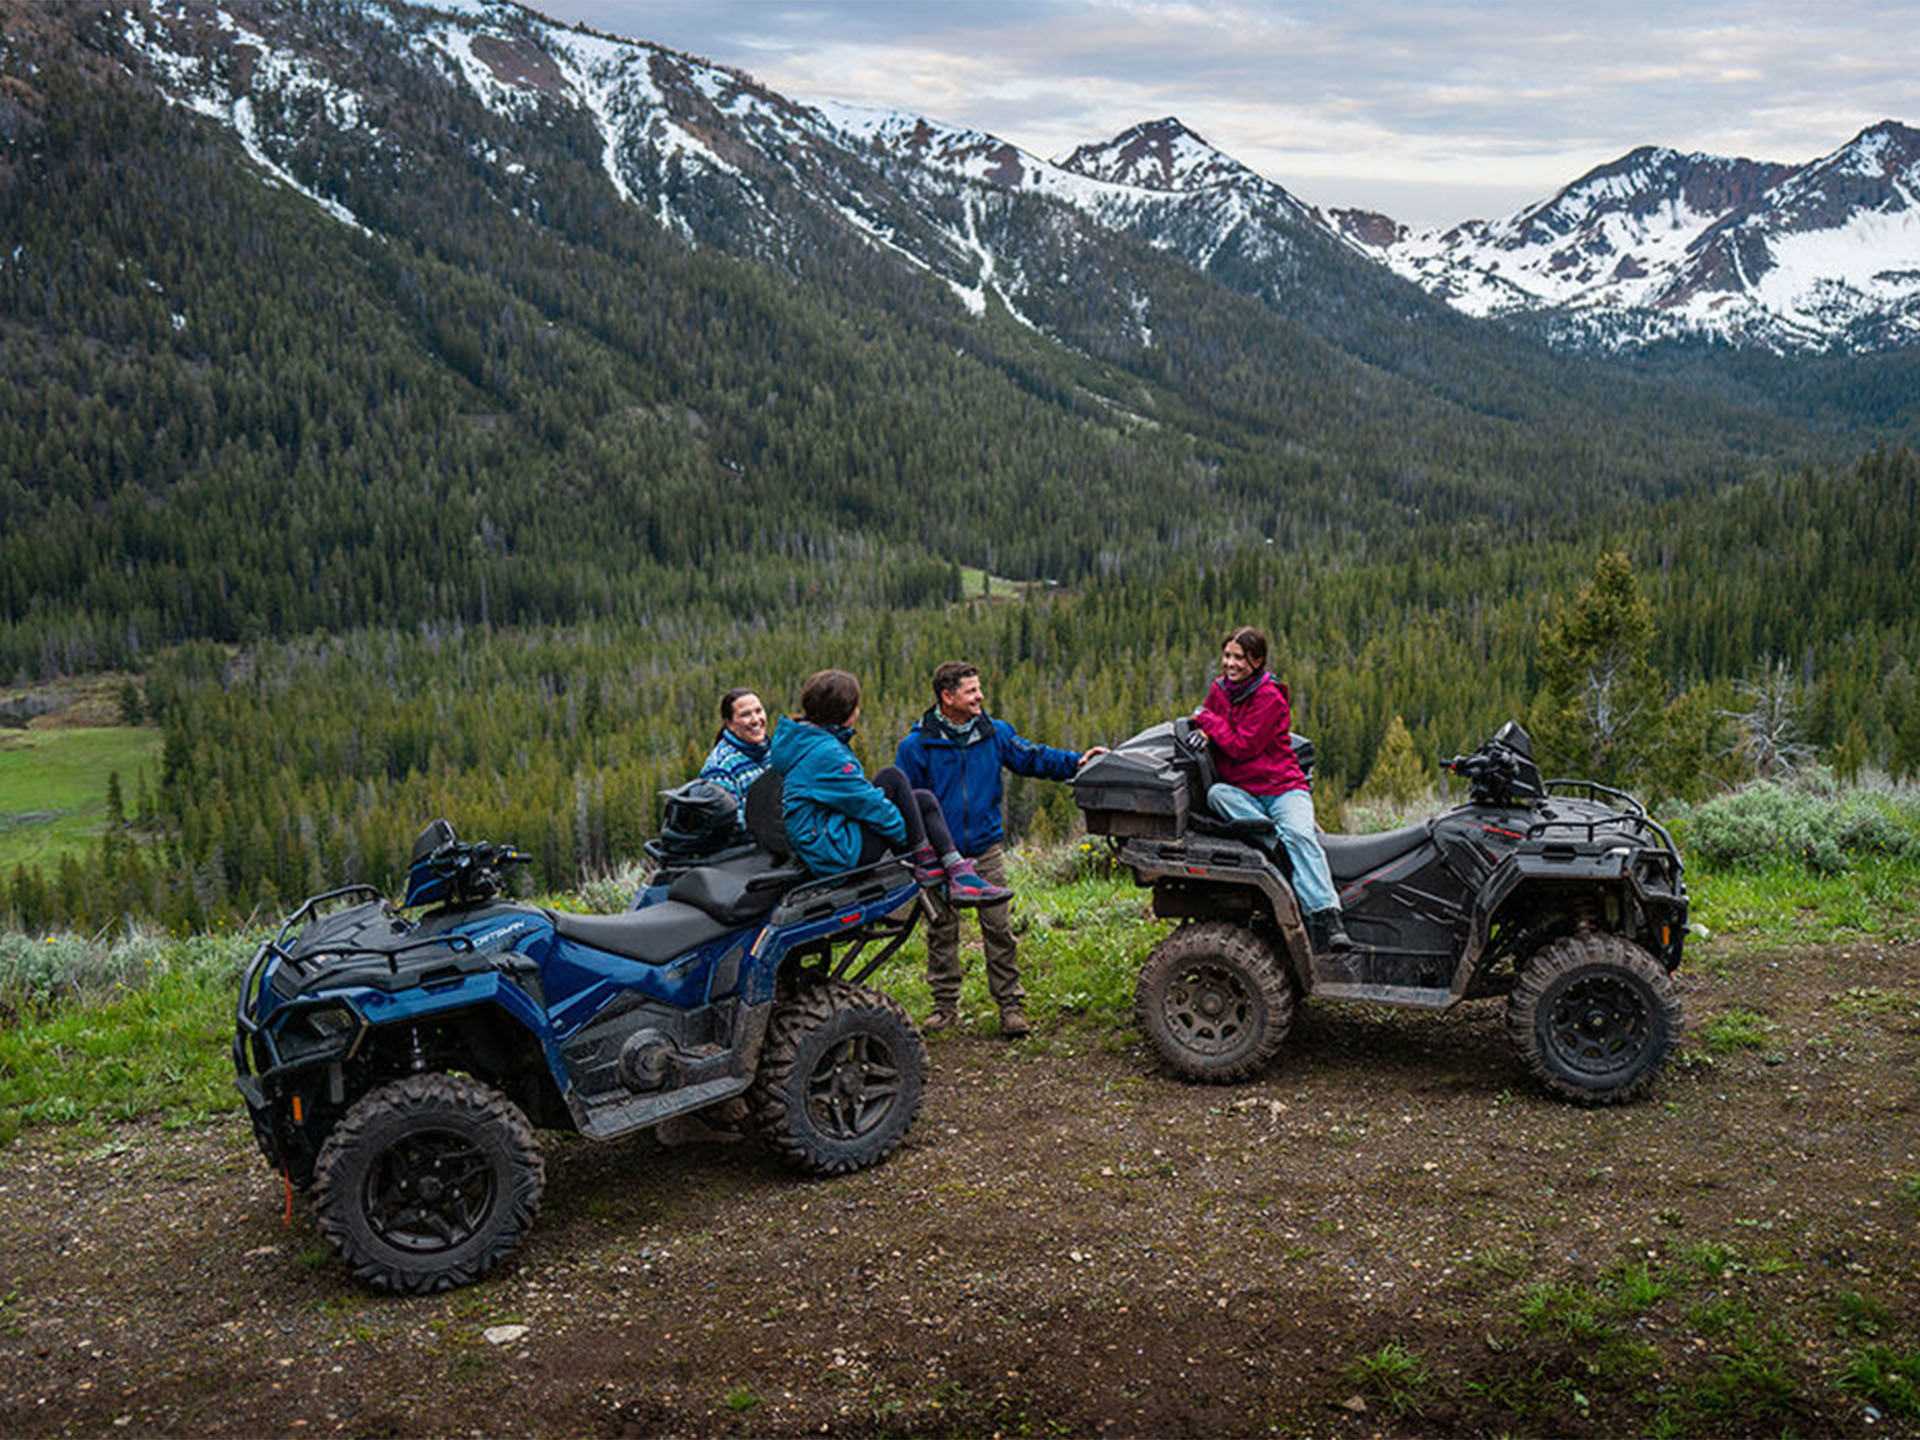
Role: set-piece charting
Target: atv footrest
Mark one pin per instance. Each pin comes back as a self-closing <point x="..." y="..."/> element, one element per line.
<point x="623" y="1114"/>
<point x="1416" y="997"/>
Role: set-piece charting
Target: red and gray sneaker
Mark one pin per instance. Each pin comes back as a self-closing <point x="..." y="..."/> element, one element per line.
<point x="967" y="886"/>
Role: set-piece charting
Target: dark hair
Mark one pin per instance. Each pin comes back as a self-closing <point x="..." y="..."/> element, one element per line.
<point x="948" y="674"/>
<point x="829" y="697"/>
<point x="1251" y="642"/>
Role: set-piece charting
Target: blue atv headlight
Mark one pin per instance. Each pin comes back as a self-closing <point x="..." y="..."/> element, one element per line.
<point x="313" y="1030"/>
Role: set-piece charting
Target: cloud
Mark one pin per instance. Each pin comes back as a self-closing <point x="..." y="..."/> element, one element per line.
<point x="1429" y="111"/>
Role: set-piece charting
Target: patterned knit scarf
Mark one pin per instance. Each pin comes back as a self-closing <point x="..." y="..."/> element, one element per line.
<point x="1236" y="694"/>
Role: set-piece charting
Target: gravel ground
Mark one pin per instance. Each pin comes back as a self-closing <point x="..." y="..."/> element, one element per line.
<point x="1390" y="1232"/>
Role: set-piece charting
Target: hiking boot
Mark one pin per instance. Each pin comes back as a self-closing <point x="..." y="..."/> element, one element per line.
<point x="1013" y="1022"/>
<point x="966" y="886"/>
<point x="940" y="1019"/>
<point x="1326" y="934"/>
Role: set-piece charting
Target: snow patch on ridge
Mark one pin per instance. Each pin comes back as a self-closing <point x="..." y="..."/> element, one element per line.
<point x="185" y="81"/>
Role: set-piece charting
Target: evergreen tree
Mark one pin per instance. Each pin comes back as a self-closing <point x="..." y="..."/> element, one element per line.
<point x="1399" y="776"/>
<point x="1600" y="713"/>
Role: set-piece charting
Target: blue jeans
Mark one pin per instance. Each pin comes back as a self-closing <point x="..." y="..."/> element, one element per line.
<point x="1291" y="815"/>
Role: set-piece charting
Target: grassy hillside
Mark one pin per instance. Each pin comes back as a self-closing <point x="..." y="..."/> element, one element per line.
<point x="54" y="788"/>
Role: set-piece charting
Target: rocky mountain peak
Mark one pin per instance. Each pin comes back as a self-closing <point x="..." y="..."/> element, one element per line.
<point x="1158" y="154"/>
<point x="1878" y="171"/>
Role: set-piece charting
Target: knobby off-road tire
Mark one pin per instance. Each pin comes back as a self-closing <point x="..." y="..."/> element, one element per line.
<point x="1595" y="1018"/>
<point x="841" y="1078"/>
<point x="1214" y="1002"/>
<point x="427" y="1182"/>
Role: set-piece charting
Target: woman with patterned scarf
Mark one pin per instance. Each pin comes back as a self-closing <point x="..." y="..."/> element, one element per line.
<point x="739" y="754"/>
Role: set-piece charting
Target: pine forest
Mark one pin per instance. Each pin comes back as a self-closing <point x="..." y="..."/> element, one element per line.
<point x="474" y="508"/>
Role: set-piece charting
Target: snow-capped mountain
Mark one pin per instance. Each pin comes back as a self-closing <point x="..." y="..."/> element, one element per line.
<point x="1655" y="245"/>
<point x="1157" y="181"/>
<point x="1659" y="245"/>
<point x="709" y="154"/>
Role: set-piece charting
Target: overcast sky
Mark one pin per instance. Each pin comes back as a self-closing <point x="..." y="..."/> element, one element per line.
<point x="1430" y="112"/>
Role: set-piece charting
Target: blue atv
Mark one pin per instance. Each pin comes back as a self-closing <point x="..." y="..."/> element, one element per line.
<point x="396" y="1068"/>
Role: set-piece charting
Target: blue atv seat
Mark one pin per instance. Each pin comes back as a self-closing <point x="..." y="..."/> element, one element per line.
<point x="1351" y="856"/>
<point x="652" y="936"/>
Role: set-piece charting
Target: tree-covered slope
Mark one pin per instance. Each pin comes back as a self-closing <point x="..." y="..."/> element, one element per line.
<point x="406" y="357"/>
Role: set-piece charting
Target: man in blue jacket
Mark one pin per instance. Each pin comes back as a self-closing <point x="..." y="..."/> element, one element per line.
<point x="957" y="751"/>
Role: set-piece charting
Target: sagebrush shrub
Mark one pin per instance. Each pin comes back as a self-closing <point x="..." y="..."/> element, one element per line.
<point x="39" y="972"/>
<point x="1820" y="825"/>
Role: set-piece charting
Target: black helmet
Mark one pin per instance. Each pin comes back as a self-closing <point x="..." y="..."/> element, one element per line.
<point x="701" y="820"/>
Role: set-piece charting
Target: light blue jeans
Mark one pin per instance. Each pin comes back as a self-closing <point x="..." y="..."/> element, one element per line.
<point x="1291" y="815"/>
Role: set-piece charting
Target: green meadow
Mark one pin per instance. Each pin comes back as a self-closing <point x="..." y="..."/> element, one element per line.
<point x="53" y="788"/>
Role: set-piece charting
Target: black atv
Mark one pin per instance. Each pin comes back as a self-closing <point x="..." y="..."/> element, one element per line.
<point x="1562" y="896"/>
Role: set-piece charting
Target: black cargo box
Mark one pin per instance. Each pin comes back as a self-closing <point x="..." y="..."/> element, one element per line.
<point x="1140" y="788"/>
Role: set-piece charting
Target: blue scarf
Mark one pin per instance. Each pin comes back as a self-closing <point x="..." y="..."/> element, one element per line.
<point x="756" y="753"/>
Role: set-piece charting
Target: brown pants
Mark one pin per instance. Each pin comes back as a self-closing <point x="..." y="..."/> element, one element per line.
<point x="996" y="931"/>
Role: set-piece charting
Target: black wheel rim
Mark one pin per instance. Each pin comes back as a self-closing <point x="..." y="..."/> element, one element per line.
<point x="1599" y="1025"/>
<point x="429" y="1192"/>
<point x="853" y="1087"/>
<point x="1210" y="1010"/>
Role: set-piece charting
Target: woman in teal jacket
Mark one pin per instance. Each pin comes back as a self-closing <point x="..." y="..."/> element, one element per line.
<point x="839" y="820"/>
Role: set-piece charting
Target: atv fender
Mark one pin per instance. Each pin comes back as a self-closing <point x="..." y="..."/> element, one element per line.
<point x="490" y="990"/>
<point x="1227" y="866"/>
<point x="1624" y="905"/>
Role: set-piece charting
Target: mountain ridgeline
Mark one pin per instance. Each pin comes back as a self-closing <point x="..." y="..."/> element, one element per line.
<point x="416" y="398"/>
<point x="325" y="314"/>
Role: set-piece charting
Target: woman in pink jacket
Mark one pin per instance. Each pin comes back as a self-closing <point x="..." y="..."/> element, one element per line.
<point x="1248" y="719"/>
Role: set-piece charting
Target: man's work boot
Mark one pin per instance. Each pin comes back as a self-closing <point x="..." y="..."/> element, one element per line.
<point x="942" y="1018"/>
<point x="1013" y="1022"/>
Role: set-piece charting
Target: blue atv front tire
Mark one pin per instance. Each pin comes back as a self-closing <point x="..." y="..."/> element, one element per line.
<point x="841" y="1079"/>
<point x="428" y="1182"/>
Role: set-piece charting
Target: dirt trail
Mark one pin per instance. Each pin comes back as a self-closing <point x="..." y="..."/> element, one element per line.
<point x="1071" y="1244"/>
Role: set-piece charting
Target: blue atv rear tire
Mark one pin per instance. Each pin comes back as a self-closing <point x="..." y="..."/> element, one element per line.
<point x="841" y="1078"/>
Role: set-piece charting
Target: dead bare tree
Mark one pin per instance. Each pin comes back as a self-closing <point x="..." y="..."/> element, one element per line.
<point x="1767" y="725"/>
